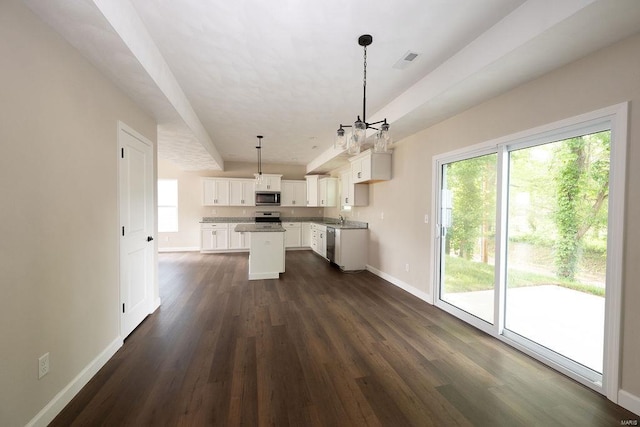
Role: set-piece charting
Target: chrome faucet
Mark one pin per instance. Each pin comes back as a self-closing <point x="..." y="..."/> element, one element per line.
<point x="341" y="219"/>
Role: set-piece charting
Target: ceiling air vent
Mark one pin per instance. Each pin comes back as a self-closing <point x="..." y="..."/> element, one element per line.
<point x="406" y="59"/>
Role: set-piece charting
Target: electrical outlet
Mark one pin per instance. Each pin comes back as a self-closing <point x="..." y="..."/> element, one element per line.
<point x="426" y="219"/>
<point x="381" y="215"/>
<point x="214" y="211"/>
<point x="43" y="365"/>
<point x="406" y="267"/>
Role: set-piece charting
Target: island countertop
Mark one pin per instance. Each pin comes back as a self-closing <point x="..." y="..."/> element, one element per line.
<point x="259" y="228"/>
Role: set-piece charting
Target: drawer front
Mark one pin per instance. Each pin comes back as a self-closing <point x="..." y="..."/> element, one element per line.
<point x="214" y="226"/>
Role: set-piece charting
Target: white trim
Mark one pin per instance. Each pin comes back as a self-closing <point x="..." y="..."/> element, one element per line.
<point x="180" y="249"/>
<point x="60" y="400"/>
<point x="402" y="285"/>
<point x="615" y="251"/>
<point x="629" y="401"/>
<point x="156" y="305"/>
<point x="261" y="276"/>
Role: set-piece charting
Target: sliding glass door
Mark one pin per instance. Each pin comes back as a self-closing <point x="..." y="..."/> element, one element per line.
<point x="523" y="243"/>
<point x="557" y="249"/>
<point x="468" y="235"/>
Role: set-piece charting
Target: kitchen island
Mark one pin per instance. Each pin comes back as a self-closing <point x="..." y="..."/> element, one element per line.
<point x="266" y="251"/>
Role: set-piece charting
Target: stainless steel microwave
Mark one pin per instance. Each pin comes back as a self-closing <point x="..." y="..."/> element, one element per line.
<point x="267" y="198"/>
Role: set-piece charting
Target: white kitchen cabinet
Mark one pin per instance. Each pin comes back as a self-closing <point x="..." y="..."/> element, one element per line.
<point x="352" y="194"/>
<point x="370" y="167"/>
<point x="215" y="192"/>
<point x="293" y="193"/>
<point x="322" y="241"/>
<point x="352" y="248"/>
<point x="313" y="242"/>
<point x="327" y="192"/>
<point x="214" y="237"/>
<point x="319" y="240"/>
<point x="270" y="182"/>
<point x="312" y="190"/>
<point x="242" y="192"/>
<point x="266" y="255"/>
<point x="292" y="234"/>
<point x="240" y="240"/>
<point x="306" y="235"/>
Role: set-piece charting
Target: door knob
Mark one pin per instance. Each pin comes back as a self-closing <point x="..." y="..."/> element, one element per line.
<point x="149" y="238"/>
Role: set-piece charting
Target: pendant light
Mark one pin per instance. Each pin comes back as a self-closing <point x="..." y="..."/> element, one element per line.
<point x="259" y="177"/>
<point x="354" y="141"/>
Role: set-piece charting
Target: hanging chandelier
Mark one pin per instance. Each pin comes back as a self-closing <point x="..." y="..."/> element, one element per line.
<point x="353" y="141"/>
<point x="259" y="178"/>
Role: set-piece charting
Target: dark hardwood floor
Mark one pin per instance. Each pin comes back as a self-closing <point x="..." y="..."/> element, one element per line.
<point x="317" y="347"/>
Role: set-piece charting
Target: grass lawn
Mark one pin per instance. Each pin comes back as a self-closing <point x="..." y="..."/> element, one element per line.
<point x="466" y="276"/>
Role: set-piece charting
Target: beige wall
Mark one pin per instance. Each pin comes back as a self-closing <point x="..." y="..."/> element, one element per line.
<point x="191" y="211"/>
<point x="58" y="211"/>
<point x="602" y="79"/>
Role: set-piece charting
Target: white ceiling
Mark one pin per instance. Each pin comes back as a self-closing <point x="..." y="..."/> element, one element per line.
<point x="217" y="73"/>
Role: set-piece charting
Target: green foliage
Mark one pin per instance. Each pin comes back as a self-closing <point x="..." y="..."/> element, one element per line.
<point x="582" y="181"/>
<point x="473" y="184"/>
<point x="469" y="276"/>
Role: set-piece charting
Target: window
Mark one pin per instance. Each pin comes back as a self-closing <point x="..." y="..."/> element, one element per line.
<point x="167" y="205"/>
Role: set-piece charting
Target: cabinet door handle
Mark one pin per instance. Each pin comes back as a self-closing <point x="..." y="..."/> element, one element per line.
<point x="359" y="174"/>
<point x="347" y="200"/>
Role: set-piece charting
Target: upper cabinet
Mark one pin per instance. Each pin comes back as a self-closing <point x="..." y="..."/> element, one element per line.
<point x="312" y="189"/>
<point x="242" y="192"/>
<point x="270" y="182"/>
<point x="293" y="193"/>
<point x="327" y="192"/>
<point x="215" y="192"/>
<point x="370" y="167"/>
<point x="321" y="191"/>
<point x="352" y="194"/>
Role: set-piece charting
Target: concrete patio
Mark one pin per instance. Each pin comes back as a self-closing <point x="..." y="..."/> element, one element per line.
<point x="566" y="321"/>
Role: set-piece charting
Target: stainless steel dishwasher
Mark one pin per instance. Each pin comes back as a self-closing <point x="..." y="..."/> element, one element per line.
<point x="331" y="244"/>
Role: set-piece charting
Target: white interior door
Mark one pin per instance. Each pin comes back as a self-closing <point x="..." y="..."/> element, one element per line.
<point x="136" y="229"/>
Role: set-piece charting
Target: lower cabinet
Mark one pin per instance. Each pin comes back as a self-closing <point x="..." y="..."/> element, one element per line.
<point x="306" y="234"/>
<point x="318" y="239"/>
<point x="292" y="234"/>
<point x="222" y="237"/>
<point x="239" y="239"/>
<point x="214" y="237"/>
<point x="351" y="252"/>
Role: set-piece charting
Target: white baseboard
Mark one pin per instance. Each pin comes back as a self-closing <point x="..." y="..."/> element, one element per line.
<point x="629" y="401"/>
<point x="180" y="249"/>
<point x="402" y="285"/>
<point x="57" y="404"/>
<point x="156" y="305"/>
